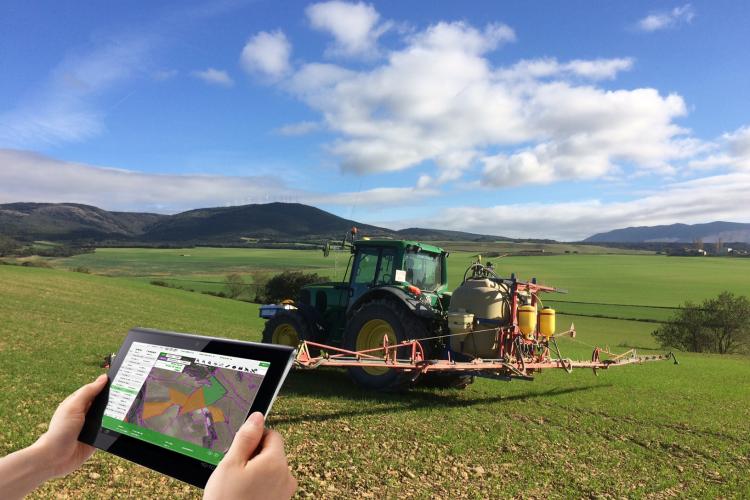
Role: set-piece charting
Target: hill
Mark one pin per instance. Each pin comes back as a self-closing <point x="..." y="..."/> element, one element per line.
<point x="676" y="233"/>
<point x="70" y="221"/>
<point x="276" y="222"/>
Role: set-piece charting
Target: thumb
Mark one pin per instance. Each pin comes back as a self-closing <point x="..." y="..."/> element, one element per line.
<point x="82" y="398"/>
<point x="248" y="438"/>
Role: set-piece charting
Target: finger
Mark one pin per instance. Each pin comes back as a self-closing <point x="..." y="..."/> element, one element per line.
<point x="273" y="444"/>
<point x="247" y="439"/>
<point x="82" y="398"/>
<point x="292" y="485"/>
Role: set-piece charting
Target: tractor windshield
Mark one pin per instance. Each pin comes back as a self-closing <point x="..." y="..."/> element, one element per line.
<point x="424" y="270"/>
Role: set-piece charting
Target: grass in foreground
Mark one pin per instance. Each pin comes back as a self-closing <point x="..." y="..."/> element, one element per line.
<point x="654" y="430"/>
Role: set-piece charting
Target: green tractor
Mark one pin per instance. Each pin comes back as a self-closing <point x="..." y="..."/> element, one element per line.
<point x="396" y="289"/>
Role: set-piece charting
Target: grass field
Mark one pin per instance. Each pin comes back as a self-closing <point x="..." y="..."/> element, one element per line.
<point x="656" y="430"/>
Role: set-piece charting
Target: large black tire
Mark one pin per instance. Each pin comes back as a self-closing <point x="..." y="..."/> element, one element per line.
<point x="287" y="328"/>
<point x="446" y="380"/>
<point x="385" y="315"/>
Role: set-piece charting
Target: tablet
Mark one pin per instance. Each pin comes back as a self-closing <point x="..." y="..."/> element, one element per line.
<point x="173" y="401"/>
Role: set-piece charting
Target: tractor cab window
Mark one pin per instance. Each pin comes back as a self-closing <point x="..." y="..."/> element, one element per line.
<point x="424" y="270"/>
<point x="385" y="271"/>
<point x="365" y="266"/>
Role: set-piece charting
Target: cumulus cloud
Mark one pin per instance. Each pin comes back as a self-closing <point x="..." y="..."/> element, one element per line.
<point x="667" y="19"/>
<point x="594" y="69"/>
<point x="734" y="152"/>
<point x="214" y="77"/>
<point x="355" y="27"/>
<point x="721" y="197"/>
<point x="63" y="109"/>
<point x="267" y="54"/>
<point x="439" y="99"/>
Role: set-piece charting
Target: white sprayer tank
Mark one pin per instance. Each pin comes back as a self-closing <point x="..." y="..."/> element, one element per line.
<point x="476" y="300"/>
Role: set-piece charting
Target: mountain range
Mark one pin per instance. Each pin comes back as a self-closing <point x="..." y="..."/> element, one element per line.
<point x="277" y="222"/>
<point x="709" y="232"/>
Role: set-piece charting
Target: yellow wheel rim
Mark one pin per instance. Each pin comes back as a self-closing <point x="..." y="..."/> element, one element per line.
<point x="285" y="334"/>
<point x="370" y="336"/>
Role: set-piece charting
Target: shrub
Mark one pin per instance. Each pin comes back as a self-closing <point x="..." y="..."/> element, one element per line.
<point x="159" y="283"/>
<point x="235" y="285"/>
<point x="81" y="269"/>
<point x="37" y="263"/>
<point x="288" y="284"/>
<point x="720" y="325"/>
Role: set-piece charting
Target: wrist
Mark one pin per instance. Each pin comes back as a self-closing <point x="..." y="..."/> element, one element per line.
<point x="23" y="471"/>
<point x="42" y="459"/>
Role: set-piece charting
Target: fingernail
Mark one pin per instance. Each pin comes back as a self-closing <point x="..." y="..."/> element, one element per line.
<point x="256" y="419"/>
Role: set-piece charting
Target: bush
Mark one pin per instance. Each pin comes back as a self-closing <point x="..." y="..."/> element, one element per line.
<point x="259" y="279"/>
<point x="37" y="263"/>
<point x="288" y="284"/>
<point x="235" y="285"/>
<point x="720" y="325"/>
<point x="159" y="283"/>
<point x="8" y="246"/>
<point x="81" y="269"/>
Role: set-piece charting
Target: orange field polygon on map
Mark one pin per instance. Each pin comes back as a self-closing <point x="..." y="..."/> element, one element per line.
<point x="186" y="402"/>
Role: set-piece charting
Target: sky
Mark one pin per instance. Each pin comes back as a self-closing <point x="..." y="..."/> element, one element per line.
<point x="523" y="119"/>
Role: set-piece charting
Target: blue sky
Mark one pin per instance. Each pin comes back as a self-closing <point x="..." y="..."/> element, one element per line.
<point x="526" y="119"/>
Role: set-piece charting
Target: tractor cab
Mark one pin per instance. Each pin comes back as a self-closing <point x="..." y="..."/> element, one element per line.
<point x="397" y="263"/>
<point x="408" y="272"/>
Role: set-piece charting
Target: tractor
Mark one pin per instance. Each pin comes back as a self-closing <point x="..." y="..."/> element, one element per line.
<point x="396" y="289"/>
<point x="394" y="322"/>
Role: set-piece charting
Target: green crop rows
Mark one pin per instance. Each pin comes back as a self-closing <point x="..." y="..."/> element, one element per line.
<point x="652" y="430"/>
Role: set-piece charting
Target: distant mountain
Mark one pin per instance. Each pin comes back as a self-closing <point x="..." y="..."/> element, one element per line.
<point x="278" y="222"/>
<point x="677" y="233"/>
<point x="70" y="221"/>
<point x="275" y="221"/>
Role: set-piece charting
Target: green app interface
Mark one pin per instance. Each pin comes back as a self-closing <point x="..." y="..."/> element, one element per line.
<point x="186" y="401"/>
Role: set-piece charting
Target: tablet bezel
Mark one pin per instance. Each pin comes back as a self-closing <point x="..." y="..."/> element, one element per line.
<point x="190" y="470"/>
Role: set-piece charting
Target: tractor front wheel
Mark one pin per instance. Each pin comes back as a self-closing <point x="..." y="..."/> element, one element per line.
<point x="286" y="328"/>
<point x="368" y="326"/>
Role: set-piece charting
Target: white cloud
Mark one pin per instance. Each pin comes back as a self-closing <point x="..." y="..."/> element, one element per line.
<point x="214" y="77"/>
<point x="64" y="108"/>
<point x="735" y="152"/>
<point x="667" y="19"/>
<point x="27" y="176"/>
<point x="30" y="177"/>
<point x="594" y="69"/>
<point x="299" y="128"/>
<point x="722" y="197"/>
<point x="439" y="99"/>
<point x="354" y="27"/>
<point x="380" y="197"/>
<point x="267" y="54"/>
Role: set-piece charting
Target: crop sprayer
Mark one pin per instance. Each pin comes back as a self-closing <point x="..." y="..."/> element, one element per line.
<point x="395" y="323"/>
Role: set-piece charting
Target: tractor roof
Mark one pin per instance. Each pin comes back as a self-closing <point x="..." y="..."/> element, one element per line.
<point x="399" y="244"/>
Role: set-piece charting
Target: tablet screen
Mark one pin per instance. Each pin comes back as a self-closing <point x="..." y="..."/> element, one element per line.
<point x="186" y="401"/>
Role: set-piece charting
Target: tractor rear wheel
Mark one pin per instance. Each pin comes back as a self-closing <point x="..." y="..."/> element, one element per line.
<point x="286" y="328"/>
<point x="366" y="329"/>
<point x="446" y="380"/>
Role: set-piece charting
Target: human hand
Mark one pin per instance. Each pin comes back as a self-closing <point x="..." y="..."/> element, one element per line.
<point x="255" y="466"/>
<point x="59" y="446"/>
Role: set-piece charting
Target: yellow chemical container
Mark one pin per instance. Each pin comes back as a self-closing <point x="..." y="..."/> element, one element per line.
<point x="527" y="319"/>
<point x="547" y="322"/>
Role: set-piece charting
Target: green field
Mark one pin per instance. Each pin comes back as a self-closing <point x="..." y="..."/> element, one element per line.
<point x="654" y="430"/>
